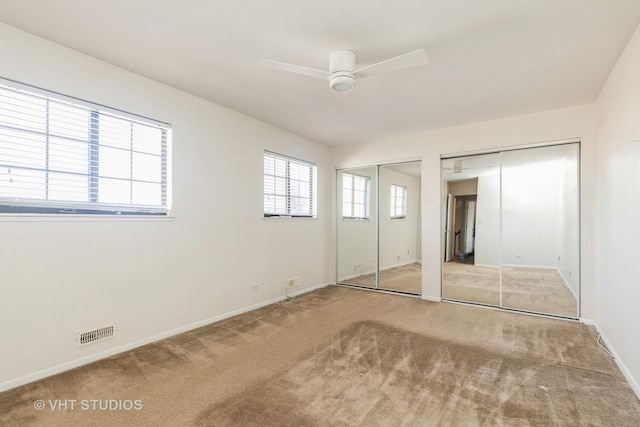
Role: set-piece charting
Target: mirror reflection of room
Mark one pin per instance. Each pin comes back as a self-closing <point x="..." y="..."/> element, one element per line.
<point x="511" y="229"/>
<point x="357" y="226"/>
<point x="400" y="234"/>
<point x="379" y="227"/>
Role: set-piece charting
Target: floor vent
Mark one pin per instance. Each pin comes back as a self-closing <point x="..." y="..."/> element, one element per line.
<point x="88" y="337"/>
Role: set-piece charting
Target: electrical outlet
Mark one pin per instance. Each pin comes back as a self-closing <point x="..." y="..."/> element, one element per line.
<point x="255" y="286"/>
<point x="293" y="282"/>
<point x="398" y="257"/>
<point x="357" y="266"/>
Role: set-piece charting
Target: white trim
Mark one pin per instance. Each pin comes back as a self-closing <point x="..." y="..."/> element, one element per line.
<point x="373" y="165"/>
<point x="510" y="148"/>
<point x="566" y="283"/>
<point x="494" y="267"/>
<point x="627" y="374"/>
<point x="10" y="217"/>
<point x="537" y="267"/>
<point x="430" y="298"/>
<point x="44" y="373"/>
<point x="364" y="273"/>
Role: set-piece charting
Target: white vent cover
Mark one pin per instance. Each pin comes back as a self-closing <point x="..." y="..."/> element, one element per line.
<point x="88" y="337"/>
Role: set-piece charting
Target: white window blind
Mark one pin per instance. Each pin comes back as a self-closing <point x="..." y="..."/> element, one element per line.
<point x="398" y="201"/>
<point x="355" y="196"/>
<point x="61" y="156"/>
<point x="289" y="187"/>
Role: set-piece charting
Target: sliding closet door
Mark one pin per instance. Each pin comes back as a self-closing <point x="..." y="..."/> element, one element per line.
<point x="511" y="226"/>
<point x="357" y="225"/>
<point x="399" y="227"/>
<point x="471" y="199"/>
<point x="540" y="226"/>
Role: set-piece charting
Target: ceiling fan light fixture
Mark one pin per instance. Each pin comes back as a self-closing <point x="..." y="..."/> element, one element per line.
<point x="342" y="82"/>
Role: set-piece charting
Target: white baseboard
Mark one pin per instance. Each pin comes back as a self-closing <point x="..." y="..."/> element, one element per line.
<point x="538" y="267"/>
<point x="364" y="273"/>
<point x="35" y="376"/>
<point x="567" y="285"/>
<point x="495" y="267"/>
<point x="402" y="264"/>
<point x="632" y="381"/>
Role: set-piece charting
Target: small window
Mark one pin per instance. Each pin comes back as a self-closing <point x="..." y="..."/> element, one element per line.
<point x="289" y="187"/>
<point x="398" y="202"/>
<point x="60" y="155"/>
<point x="355" y="196"/>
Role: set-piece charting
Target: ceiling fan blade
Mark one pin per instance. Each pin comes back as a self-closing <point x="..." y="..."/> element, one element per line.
<point x="408" y="60"/>
<point x="298" y="69"/>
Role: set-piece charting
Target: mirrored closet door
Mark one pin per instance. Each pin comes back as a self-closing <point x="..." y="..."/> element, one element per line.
<point x="511" y="229"/>
<point x="379" y="227"/>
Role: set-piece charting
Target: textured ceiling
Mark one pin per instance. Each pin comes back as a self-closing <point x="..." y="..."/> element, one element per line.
<point x="488" y="59"/>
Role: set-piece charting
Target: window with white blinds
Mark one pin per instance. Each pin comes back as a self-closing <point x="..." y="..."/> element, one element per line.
<point x="398" y="201"/>
<point x="355" y="196"/>
<point x="289" y="187"/>
<point x="65" y="156"/>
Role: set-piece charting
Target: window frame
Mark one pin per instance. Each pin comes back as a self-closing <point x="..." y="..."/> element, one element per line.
<point x="288" y="192"/>
<point x="90" y="206"/>
<point x="395" y="199"/>
<point x="352" y="200"/>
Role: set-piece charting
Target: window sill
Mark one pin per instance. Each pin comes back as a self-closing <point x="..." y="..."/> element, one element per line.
<point x="289" y="218"/>
<point x="9" y="217"/>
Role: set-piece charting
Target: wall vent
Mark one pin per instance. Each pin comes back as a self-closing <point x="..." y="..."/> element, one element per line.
<point x="88" y="337"/>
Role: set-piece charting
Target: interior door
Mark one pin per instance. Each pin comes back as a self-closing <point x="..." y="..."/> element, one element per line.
<point x="470" y="226"/>
<point x="449" y="234"/>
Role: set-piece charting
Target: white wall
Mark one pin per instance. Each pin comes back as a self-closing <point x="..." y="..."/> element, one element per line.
<point x="568" y="228"/>
<point x="530" y="212"/>
<point x="618" y="197"/>
<point x="554" y="125"/>
<point x="153" y="277"/>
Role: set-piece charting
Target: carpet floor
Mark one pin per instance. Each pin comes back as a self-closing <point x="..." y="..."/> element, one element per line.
<point x="347" y="357"/>
<point x="406" y="278"/>
<point x="530" y="289"/>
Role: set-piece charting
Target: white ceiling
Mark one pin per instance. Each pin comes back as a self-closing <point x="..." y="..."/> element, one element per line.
<point x="488" y="59"/>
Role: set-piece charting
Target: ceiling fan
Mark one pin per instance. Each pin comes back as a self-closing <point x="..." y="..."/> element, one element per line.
<point x="342" y="72"/>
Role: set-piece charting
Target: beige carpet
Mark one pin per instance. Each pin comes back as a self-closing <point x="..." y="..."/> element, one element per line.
<point x="406" y="278"/>
<point x="530" y="289"/>
<point x="346" y="357"/>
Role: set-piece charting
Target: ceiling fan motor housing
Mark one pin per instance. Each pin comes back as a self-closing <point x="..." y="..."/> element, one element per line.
<point x="341" y="66"/>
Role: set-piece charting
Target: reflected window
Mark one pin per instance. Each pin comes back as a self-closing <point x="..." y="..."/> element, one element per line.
<point x="356" y="191"/>
<point x="398" y="201"/>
